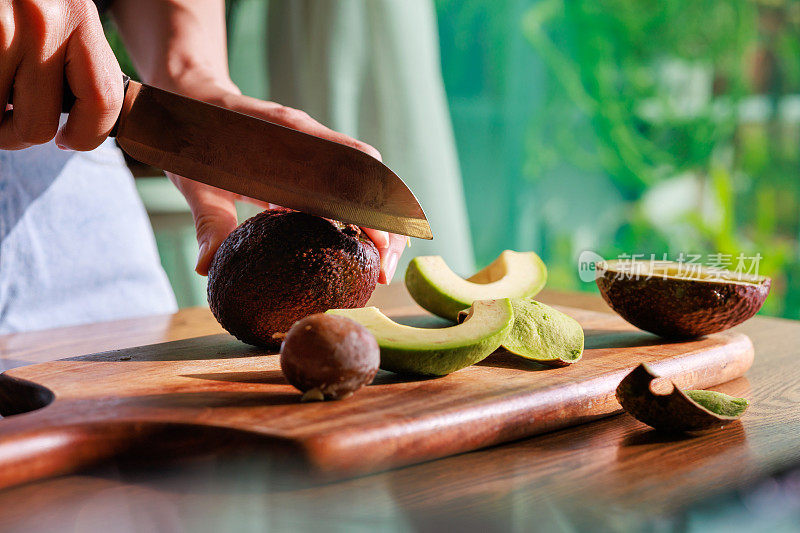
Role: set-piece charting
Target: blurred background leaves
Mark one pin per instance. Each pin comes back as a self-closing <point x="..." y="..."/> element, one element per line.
<point x="645" y="127"/>
<point x="620" y="126"/>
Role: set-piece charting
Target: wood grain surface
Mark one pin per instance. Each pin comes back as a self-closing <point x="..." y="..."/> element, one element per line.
<point x="212" y="393"/>
<point x="614" y="474"/>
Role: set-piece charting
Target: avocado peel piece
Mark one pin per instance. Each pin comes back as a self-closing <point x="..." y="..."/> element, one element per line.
<point x="658" y="403"/>
<point x="438" y="289"/>
<point x="680" y="301"/>
<point x="437" y="351"/>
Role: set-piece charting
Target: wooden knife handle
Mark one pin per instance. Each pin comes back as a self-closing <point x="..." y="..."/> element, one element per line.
<point x="68" y="100"/>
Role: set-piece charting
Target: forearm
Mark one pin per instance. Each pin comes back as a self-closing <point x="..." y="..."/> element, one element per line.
<point x="179" y="45"/>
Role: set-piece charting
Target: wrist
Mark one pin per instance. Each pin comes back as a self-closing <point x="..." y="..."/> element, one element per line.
<point x="197" y="82"/>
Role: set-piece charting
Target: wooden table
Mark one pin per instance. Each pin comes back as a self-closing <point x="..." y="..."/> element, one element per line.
<point x="611" y="474"/>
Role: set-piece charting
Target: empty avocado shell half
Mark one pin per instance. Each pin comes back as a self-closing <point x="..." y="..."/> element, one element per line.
<point x="678" y="300"/>
<point x="658" y="403"/>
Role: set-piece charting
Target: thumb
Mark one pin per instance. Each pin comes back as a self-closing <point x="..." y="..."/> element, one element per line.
<point x="214" y="213"/>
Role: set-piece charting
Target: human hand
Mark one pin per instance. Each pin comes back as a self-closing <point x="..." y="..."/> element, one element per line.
<point x="214" y="210"/>
<point x="42" y="42"/>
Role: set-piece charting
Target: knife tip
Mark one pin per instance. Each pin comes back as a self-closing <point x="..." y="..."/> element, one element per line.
<point x="427" y="235"/>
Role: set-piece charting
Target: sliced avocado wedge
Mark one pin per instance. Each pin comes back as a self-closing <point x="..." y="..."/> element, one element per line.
<point x="437" y="352"/>
<point x="544" y="334"/>
<point x="443" y="292"/>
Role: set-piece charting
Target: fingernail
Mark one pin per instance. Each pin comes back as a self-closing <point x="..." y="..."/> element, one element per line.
<point x="391" y="266"/>
<point x="201" y="255"/>
<point x="62" y="147"/>
<point x="383" y="237"/>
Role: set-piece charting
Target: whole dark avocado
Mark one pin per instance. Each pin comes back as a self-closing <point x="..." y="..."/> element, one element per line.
<point x="280" y="266"/>
<point x="657" y="297"/>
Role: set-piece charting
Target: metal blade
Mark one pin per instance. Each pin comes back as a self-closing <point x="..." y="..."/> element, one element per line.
<point x="266" y="161"/>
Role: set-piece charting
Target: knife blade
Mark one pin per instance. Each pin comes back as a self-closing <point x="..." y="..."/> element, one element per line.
<point x="265" y="161"/>
<point x="262" y="160"/>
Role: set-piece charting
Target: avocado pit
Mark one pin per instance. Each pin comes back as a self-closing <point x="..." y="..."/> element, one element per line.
<point x="329" y="357"/>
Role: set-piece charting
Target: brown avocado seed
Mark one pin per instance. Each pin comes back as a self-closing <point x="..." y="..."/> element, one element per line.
<point x="329" y="356"/>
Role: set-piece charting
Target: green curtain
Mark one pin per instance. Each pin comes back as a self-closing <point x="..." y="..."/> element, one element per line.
<point x="371" y="69"/>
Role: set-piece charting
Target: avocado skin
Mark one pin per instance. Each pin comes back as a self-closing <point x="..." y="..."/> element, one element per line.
<point x="280" y="266"/>
<point x="676" y="410"/>
<point x="681" y="308"/>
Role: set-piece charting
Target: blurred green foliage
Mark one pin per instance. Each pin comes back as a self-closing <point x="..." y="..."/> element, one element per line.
<point x="627" y="126"/>
<point x="651" y="127"/>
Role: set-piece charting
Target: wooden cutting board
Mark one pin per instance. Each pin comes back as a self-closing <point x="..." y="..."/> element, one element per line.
<point x="212" y="393"/>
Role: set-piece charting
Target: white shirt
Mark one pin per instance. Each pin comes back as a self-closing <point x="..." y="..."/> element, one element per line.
<point x="76" y="245"/>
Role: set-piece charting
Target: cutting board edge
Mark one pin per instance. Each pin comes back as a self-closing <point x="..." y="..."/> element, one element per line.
<point x="323" y="453"/>
<point x="20" y="396"/>
<point x="326" y="450"/>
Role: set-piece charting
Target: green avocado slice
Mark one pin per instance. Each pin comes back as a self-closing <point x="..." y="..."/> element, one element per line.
<point x="544" y="334"/>
<point x="437" y="352"/>
<point x="442" y="292"/>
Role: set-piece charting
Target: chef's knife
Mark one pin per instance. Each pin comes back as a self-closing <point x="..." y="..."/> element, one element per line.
<point x="265" y="161"/>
